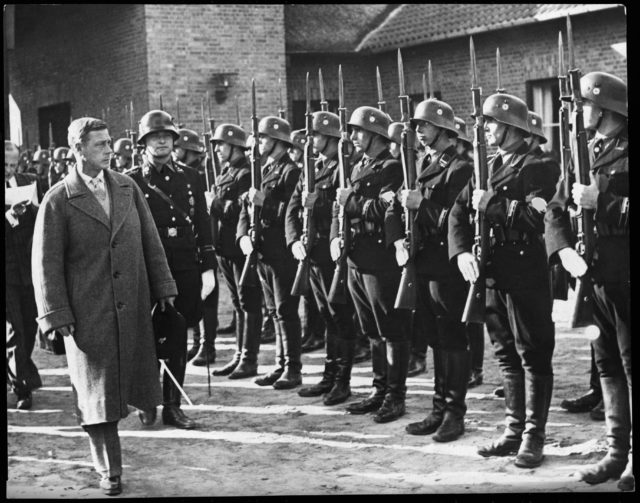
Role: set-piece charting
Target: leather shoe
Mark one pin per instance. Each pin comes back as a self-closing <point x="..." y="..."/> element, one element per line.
<point x="390" y="410"/>
<point x="584" y="403"/>
<point x="530" y="452"/>
<point x="312" y="344"/>
<point x="24" y="402"/>
<point x="172" y="415"/>
<point x="338" y="394"/>
<point x="206" y="354"/>
<point x="193" y="350"/>
<point x="289" y="379"/>
<point x="228" y="368"/>
<point x="597" y="413"/>
<point x="270" y="378"/>
<point x="244" y="370"/>
<point x="371" y="403"/>
<point x="451" y="428"/>
<point x="502" y="447"/>
<point x="475" y="379"/>
<point x="111" y="485"/>
<point x="427" y="426"/>
<point x="148" y="417"/>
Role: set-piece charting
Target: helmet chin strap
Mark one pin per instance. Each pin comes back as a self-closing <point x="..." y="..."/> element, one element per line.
<point x="504" y="136"/>
<point x="369" y="143"/>
<point x="435" y="140"/>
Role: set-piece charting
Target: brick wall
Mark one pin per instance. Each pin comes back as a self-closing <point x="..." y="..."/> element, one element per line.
<point x="189" y="44"/>
<point x="91" y="56"/>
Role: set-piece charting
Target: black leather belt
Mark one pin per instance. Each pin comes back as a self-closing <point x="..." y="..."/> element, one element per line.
<point x="501" y="235"/>
<point x="174" y="232"/>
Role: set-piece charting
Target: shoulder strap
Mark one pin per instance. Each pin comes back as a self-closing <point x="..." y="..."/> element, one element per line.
<point x="166" y="199"/>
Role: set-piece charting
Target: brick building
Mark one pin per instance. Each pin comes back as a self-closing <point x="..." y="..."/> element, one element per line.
<point x="69" y="60"/>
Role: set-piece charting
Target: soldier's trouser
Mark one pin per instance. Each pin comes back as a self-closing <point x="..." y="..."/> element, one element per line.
<point x="21" y="326"/>
<point x="210" y="315"/>
<point x="276" y="279"/>
<point x="337" y="317"/>
<point x="105" y="448"/>
<point x="475" y="335"/>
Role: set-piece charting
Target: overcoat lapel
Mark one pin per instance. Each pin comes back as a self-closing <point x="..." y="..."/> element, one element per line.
<point x="81" y="197"/>
<point x="121" y="199"/>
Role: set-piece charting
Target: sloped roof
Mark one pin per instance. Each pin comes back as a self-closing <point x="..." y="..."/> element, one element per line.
<point x="415" y="24"/>
<point x="330" y="28"/>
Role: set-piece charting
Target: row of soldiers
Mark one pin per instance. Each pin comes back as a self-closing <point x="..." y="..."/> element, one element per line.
<point x="358" y="213"/>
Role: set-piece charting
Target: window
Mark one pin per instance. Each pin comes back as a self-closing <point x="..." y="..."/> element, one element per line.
<point x="543" y="98"/>
<point x="59" y="116"/>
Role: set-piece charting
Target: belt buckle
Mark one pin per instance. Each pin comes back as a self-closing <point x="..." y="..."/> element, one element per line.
<point x="172" y="232"/>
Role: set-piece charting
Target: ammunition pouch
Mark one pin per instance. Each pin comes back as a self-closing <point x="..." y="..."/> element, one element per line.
<point x="361" y="228"/>
<point x="500" y="235"/>
<point x="605" y="231"/>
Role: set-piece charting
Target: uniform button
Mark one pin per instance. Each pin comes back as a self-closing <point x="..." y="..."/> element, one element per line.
<point x="190" y="193"/>
<point x="166" y="178"/>
<point x="521" y="252"/>
<point x="613" y="171"/>
<point x="147" y="196"/>
<point x="119" y="305"/>
<point x="116" y="274"/>
<point x="379" y="240"/>
<point x="441" y="243"/>
<point x="173" y="219"/>
<point x="504" y="188"/>
<point x="171" y="207"/>
<point x="368" y="183"/>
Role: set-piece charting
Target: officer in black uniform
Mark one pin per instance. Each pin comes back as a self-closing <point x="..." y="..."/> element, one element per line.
<point x="418" y="357"/>
<point x="441" y="290"/>
<point x="607" y="196"/>
<point x="122" y="154"/>
<point x="276" y="265"/>
<point x="176" y="199"/>
<point x="234" y="181"/>
<point x="373" y="273"/>
<point x="340" y="336"/>
<point x="518" y="304"/>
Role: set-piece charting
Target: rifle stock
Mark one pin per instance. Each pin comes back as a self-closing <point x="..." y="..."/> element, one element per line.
<point x="474" y="308"/>
<point x="338" y="290"/>
<point x="249" y="276"/>
<point x="207" y="135"/>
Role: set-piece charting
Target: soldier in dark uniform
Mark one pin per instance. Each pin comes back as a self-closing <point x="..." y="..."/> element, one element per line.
<point x="71" y="160"/>
<point x="40" y="167"/>
<point x="538" y="138"/>
<point x="59" y="168"/>
<point x="418" y="357"/>
<point x="276" y="265"/>
<point x="441" y="291"/>
<point x="518" y="304"/>
<point x="373" y="273"/>
<point x="234" y="181"/>
<point x="340" y="336"/>
<point x="122" y="154"/>
<point x="475" y="331"/>
<point x="605" y="113"/>
<point x="188" y="149"/>
<point x="176" y="199"/>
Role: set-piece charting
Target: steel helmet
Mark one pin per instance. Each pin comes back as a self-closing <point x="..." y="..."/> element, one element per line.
<point x="507" y="109"/>
<point x="231" y="134"/>
<point x="60" y="153"/>
<point x="123" y="147"/>
<point x="605" y="90"/>
<point x="299" y="138"/>
<point x="535" y="126"/>
<point x="154" y="121"/>
<point x="41" y="156"/>
<point x="435" y="112"/>
<point x="276" y="128"/>
<point x="461" y="127"/>
<point x="71" y="156"/>
<point x="395" y="130"/>
<point x="372" y="120"/>
<point x="326" y="123"/>
<point x="189" y="140"/>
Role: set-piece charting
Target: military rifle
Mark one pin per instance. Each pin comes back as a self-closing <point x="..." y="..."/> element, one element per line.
<point x="432" y="89"/>
<point x="382" y="105"/>
<point x="215" y="163"/>
<point x="338" y="290"/>
<point x="301" y="282"/>
<point x="161" y="107"/>
<point x="136" y="150"/>
<point x="281" y="111"/>
<point x="425" y="92"/>
<point x="178" y="123"/>
<point x="583" y="308"/>
<point x="249" y="276"/>
<point x="238" y="121"/>
<point x="324" y="105"/>
<point x="52" y="144"/>
<point x="406" y="296"/>
<point x="207" y="135"/>
<point x="476" y="299"/>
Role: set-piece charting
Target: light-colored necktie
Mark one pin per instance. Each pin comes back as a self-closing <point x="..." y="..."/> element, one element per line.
<point x="98" y="188"/>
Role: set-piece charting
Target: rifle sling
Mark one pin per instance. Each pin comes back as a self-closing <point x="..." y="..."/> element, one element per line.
<point x="171" y="203"/>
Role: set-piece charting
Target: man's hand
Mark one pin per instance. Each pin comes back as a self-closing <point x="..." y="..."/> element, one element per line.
<point x="477" y="195"/>
<point x="572" y="262"/>
<point x="19" y="209"/>
<point x="299" y="251"/>
<point x="411" y="199"/>
<point x="166" y="300"/>
<point x="208" y="283"/>
<point x="309" y="199"/>
<point x="585" y="196"/>
<point x="342" y="195"/>
<point x="402" y="254"/>
<point x="256" y="197"/>
<point x="468" y="266"/>
<point x="66" y="331"/>
<point x="335" y="248"/>
<point x="246" y="245"/>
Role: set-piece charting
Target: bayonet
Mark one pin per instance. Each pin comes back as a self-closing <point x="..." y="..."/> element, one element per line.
<point x="281" y="112"/>
<point x="178" y="112"/>
<point x="404" y="99"/>
<point x="425" y="91"/>
<point x="161" y="107"/>
<point x="324" y="105"/>
<point x="432" y="89"/>
<point x="381" y="103"/>
<point x="499" y="89"/>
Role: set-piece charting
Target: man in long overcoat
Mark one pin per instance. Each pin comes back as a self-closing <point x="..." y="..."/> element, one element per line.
<point x="97" y="263"/>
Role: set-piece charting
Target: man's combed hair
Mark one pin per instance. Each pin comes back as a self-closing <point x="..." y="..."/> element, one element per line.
<point x="79" y="129"/>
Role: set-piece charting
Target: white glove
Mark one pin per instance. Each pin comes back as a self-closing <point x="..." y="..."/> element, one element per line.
<point x="402" y="254"/>
<point x="208" y="283"/>
<point x="468" y="266"/>
<point x="572" y="262"/>
<point x="298" y="250"/>
<point x="246" y="245"/>
<point x="335" y="248"/>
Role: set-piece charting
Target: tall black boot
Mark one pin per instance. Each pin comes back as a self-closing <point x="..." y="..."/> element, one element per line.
<point x="171" y="412"/>
<point x="538" y="399"/>
<point x="379" y="367"/>
<point x="248" y="366"/>
<point x="235" y="361"/>
<point x="627" y="481"/>
<point x="456" y="384"/>
<point x="274" y="375"/>
<point x="617" y="417"/>
<point x="475" y="335"/>
<point x="207" y="351"/>
<point x="432" y="422"/>
<point x="291" y="341"/>
<point x="268" y="332"/>
<point x="514" y="410"/>
<point x="341" y="389"/>
<point x="195" y="334"/>
<point x="231" y="327"/>
<point x="330" y="368"/>
<point x="397" y="366"/>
